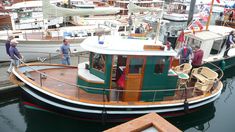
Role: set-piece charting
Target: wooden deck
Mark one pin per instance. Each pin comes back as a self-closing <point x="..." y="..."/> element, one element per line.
<point x="65" y="84"/>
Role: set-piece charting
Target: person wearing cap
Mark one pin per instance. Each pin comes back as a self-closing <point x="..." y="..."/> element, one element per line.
<point x="8" y="44"/>
<point x="197" y="57"/>
<point x="14" y="54"/>
<point x="65" y="52"/>
<point x="185" y="53"/>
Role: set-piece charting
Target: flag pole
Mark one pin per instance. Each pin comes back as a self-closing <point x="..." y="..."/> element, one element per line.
<point x="209" y="18"/>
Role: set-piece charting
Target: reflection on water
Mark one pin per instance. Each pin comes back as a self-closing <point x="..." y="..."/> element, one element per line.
<point x="51" y="122"/>
<point x="199" y="120"/>
<point x="11" y="119"/>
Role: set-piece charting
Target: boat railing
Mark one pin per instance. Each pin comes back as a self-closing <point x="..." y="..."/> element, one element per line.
<point x="116" y="94"/>
<point x="53" y="58"/>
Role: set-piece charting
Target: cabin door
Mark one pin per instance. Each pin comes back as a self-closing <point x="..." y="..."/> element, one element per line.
<point x="134" y="76"/>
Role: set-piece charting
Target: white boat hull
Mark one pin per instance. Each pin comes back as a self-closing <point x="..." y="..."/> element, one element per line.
<point x="33" y="50"/>
<point x="178" y="17"/>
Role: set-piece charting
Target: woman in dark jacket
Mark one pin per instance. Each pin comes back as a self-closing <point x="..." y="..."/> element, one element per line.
<point x="229" y="42"/>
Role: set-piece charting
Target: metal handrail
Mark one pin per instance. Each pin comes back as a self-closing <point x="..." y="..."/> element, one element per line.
<point x="93" y="88"/>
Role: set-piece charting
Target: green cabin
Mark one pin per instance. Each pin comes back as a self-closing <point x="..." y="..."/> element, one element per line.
<point x="133" y="65"/>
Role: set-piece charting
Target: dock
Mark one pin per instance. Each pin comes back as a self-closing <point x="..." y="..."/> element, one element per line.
<point x="150" y="122"/>
<point x="5" y="83"/>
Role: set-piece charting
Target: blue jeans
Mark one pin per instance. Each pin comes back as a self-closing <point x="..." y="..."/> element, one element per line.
<point x="66" y="60"/>
<point x="184" y="61"/>
<point x="15" y="63"/>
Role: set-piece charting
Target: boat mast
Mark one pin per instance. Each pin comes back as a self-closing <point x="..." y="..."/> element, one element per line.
<point x="209" y="18"/>
<point x="159" y="24"/>
<point x="191" y="11"/>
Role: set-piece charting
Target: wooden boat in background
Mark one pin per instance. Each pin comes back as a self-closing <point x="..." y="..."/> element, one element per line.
<point x="29" y="15"/>
<point x="124" y="78"/>
<point x="178" y="11"/>
<point x="225" y="23"/>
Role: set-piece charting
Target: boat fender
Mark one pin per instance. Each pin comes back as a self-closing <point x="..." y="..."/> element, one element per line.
<point x="186" y="106"/>
<point x="222" y="65"/>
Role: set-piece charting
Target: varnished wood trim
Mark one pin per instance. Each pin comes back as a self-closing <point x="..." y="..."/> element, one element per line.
<point x="46" y="64"/>
<point x="144" y="122"/>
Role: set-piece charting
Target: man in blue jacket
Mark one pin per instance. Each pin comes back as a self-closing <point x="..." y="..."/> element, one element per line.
<point x="65" y="52"/>
<point x="14" y="54"/>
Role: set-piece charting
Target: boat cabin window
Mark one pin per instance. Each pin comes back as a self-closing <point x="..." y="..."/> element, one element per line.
<point x="24" y="15"/>
<point x="193" y="42"/>
<point x="121" y="28"/>
<point x="113" y="25"/>
<point x="128" y="28"/>
<point x="98" y="62"/>
<point x="217" y="45"/>
<point x="159" y="66"/>
<point x="136" y="65"/>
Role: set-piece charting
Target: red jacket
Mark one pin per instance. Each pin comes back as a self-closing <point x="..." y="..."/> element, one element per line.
<point x="197" y="59"/>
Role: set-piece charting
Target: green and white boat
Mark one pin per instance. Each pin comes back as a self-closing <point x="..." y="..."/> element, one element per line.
<point x="125" y="77"/>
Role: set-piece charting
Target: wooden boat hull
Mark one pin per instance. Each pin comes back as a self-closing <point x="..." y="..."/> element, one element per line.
<point x="227" y="24"/>
<point x="5" y="22"/>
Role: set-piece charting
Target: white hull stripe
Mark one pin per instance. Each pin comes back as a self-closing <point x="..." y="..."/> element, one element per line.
<point x="113" y="112"/>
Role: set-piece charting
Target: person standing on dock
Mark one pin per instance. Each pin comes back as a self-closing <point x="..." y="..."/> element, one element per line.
<point x="8" y="44"/>
<point x="229" y="42"/>
<point x="14" y="54"/>
<point x="65" y="52"/>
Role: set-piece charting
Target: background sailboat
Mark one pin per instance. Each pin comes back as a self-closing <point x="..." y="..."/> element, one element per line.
<point x="50" y="10"/>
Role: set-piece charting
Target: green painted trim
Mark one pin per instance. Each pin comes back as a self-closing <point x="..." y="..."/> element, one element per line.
<point x="105" y="76"/>
<point x="154" y="81"/>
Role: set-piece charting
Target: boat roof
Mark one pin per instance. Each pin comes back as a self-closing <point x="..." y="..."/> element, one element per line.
<point x="215" y="32"/>
<point x="222" y="30"/>
<point x="204" y="35"/>
<point x="121" y="45"/>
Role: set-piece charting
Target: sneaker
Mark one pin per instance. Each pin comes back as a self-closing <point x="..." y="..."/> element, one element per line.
<point x="226" y="56"/>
